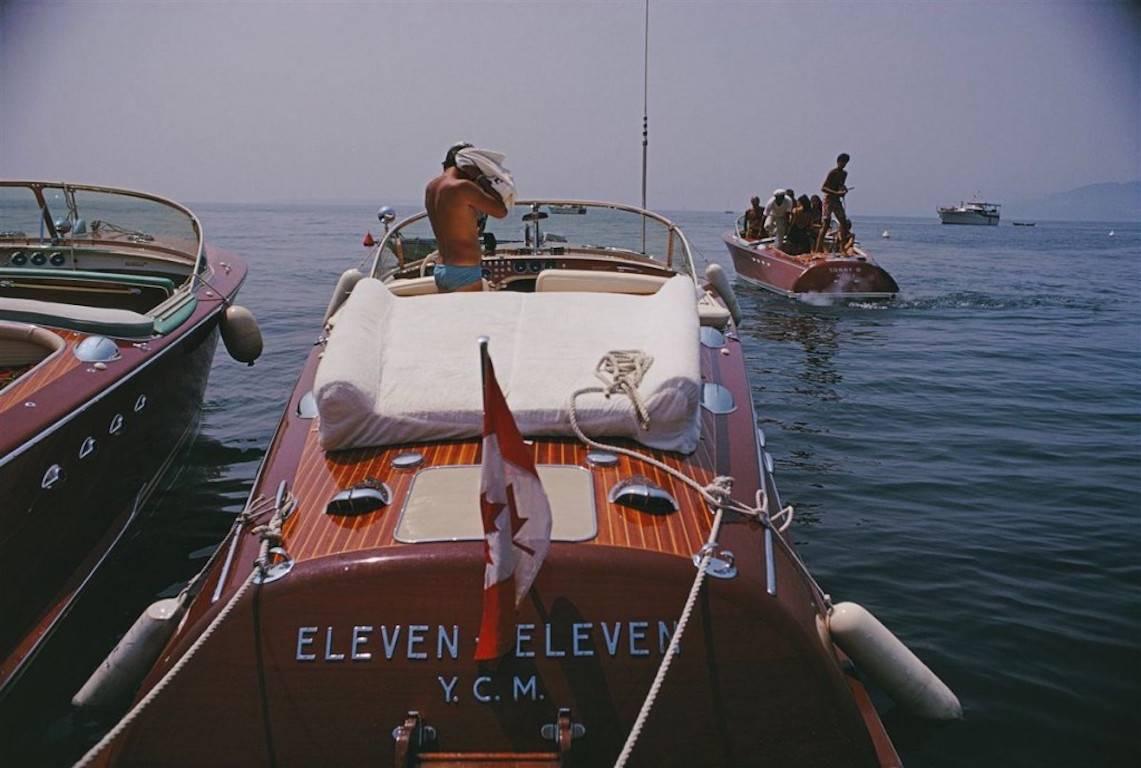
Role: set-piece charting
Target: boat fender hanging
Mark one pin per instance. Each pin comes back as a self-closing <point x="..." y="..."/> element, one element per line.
<point x="889" y="664"/>
<point x="241" y="334"/>
<point x="121" y="673"/>
<point x="717" y="278"/>
<point x="345" y="284"/>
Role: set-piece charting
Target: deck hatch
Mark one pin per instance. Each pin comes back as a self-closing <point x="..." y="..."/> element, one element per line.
<point x="443" y="504"/>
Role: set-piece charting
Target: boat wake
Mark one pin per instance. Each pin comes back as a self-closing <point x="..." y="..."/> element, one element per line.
<point x="987" y="301"/>
<point x="955" y="300"/>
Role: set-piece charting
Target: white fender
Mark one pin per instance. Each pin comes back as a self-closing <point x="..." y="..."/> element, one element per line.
<point x="890" y="664"/>
<point x="123" y="670"/>
<point x="720" y="283"/>
<point x="241" y="335"/>
<point x="345" y="284"/>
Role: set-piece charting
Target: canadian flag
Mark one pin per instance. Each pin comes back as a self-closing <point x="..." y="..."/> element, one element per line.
<point x="516" y="519"/>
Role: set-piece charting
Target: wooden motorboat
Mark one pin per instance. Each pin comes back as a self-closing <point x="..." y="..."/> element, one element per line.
<point x="337" y="623"/>
<point x="850" y="274"/>
<point x="110" y="307"/>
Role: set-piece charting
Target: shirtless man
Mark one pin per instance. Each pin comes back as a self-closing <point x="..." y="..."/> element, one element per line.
<point x="834" y="189"/>
<point x="754" y="220"/>
<point x="454" y="200"/>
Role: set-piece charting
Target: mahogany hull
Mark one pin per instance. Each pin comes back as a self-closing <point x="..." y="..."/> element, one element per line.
<point x="855" y="276"/>
<point x="111" y="434"/>
<point x="320" y="666"/>
<point x="350" y="644"/>
<point x="329" y="629"/>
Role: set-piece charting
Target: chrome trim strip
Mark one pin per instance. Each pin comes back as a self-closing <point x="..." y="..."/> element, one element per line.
<point x="770" y="566"/>
<point x="66" y="418"/>
<point x="758" y="443"/>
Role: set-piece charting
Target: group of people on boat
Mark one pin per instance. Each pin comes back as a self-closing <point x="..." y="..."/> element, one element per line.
<point x="473" y="185"/>
<point x="801" y="224"/>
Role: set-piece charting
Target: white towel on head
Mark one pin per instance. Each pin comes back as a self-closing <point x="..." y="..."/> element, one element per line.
<point x="490" y="164"/>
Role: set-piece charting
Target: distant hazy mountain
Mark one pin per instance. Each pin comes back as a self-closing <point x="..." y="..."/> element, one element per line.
<point x="1095" y="202"/>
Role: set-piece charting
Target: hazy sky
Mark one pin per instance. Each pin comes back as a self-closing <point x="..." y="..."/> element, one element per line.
<point x="301" y="101"/>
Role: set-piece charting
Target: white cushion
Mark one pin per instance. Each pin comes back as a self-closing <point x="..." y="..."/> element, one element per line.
<point x="399" y="370"/>
<point x="597" y="281"/>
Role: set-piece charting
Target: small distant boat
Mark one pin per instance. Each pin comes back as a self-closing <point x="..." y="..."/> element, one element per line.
<point x="1112" y="233"/>
<point x="974" y="212"/>
<point x="570" y="208"/>
<point x="886" y="235"/>
<point x="1023" y="223"/>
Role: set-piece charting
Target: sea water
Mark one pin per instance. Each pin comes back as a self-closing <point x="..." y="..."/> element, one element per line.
<point x="965" y="461"/>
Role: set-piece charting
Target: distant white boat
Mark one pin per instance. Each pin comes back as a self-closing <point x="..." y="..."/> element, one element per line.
<point x="974" y="212"/>
<point x="886" y="235"/>
<point x="576" y="209"/>
<point x="1111" y="233"/>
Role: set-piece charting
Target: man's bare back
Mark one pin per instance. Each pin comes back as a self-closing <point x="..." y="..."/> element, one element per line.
<point x="454" y="201"/>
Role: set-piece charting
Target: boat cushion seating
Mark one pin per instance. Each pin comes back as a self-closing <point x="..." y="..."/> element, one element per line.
<point x="122" y="323"/>
<point x="586" y="280"/>
<point x="403" y="370"/>
<point x="413" y="286"/>
<point x="22" y="344"/>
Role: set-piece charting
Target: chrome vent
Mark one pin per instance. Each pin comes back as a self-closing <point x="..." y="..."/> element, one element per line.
<point x="642" y="494"/>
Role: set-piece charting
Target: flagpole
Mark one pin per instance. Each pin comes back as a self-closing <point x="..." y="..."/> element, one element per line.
<point x="483" y="358"/>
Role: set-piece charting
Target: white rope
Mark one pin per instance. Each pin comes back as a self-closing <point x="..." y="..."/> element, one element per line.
<point x="622" y="371"/>
<point x="154" y="692"/>
<point x="271" y="536"/>
<point x="675" y="643"/>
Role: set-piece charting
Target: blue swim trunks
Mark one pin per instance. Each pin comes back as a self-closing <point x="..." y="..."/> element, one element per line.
<point x="450" y="277"/>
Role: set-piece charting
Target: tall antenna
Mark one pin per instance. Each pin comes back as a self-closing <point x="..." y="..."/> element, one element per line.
<point x="645" y="100"/>
<point x="645" y="115"/>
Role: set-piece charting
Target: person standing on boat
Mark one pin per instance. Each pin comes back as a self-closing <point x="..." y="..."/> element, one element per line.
<point x="800" y="232"/>
<point x="754" y="220"/>
<point x="455" y="200"/>
<point x="834" y="188"/>
<point x="777" y="212"/>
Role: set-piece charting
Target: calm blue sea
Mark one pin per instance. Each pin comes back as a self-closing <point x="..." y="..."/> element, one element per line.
<point x="964" y="461"/>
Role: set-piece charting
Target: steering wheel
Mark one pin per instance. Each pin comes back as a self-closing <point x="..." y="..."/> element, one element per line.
<point x="431" y="258"/>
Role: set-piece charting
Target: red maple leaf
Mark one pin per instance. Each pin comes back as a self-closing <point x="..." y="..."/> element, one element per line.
<point x="516" y="520"/>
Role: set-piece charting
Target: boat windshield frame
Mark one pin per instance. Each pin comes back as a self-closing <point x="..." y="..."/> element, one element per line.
<point x="681" y="263"/>
<point x="51" y="234"/>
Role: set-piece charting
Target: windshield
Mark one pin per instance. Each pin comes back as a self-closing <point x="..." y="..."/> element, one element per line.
<point x="605" y="227"/>
<point x="98" y="214"/>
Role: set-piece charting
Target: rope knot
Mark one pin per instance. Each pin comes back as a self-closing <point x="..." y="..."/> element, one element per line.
<point x="621" y="371"/>
<point x="719" y="490"/>
<point x="270" y="533"/>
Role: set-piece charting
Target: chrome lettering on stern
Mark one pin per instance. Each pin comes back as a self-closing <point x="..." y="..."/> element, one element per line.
<point x="369" y="644"/>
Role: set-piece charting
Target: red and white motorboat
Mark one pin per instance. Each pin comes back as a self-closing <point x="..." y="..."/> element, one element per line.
<point x="850" y="275"/>
<point x="337" y="623"/>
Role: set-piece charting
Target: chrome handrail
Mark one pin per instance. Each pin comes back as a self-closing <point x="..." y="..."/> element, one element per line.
<point x="37" y="188"/>
<point x="671" y="227"/>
